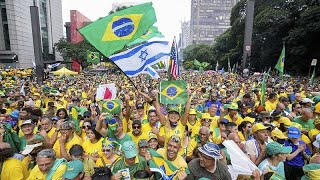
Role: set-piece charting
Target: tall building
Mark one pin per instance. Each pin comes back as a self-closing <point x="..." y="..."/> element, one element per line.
<point x="209" y="19"/>
<point x="77" y="21"/>
<point x="16" y="40"/>
<point x="185" y="36"/>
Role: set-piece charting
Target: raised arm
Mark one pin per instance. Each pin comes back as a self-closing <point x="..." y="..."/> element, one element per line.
<point x="99" y="128"/>
<point x="162" y="118"/>
<point x="185" y="116"/>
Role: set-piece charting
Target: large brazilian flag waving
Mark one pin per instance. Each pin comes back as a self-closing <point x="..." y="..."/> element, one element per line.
<point x="173" y="92"/>
<point x="112" y="33"/>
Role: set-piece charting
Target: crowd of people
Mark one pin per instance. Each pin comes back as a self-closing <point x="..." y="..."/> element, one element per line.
<point x="41" y="138"/>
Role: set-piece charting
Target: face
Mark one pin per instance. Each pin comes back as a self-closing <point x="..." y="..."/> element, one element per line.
<point x="295" y="140"/>
<point x="23" y="114"/>
<point x="266" y="120"/>
<point x="86" y="126"/>
<point x="136" y="129"/>
<point x="77" y="157"/>
<point x="27" y="129"/>
<point x="206" y="122"/>
<point x="143" y="150"/>
<point x="172" y="150"/>
<point x="66" y="132"/>
<point x="46" y="124"/>
<point x="44" y="164"/>
<point x="298" y="108"/>
<point x="203" y="135"/>
<point x="62" y="114"/>
<point x="130" y="161"/>
<point x="281" y="157"/>
<point x="153" y="143"/>
<point x="206" y="161"/>
<point x="91" y="135"/>
<point x="140" y="111"/>
<point x="248" y="128"/>
<point x="173" y="117"/>
<point x="152" y="117"/>
<point x="213" y="110"/>
<point x="234" y="129"/>
<point x="107" y="151"/>
<point x="233" y="112"/>
<point x="262" y="135"/>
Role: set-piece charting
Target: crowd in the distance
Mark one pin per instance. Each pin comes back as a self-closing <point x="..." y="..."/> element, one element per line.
<point x="58" y="130"/>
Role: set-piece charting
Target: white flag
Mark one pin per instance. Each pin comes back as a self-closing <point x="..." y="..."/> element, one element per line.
<point x="106" y="91"/>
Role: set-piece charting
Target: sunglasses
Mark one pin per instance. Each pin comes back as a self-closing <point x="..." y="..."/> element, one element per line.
<point x="86" y="116"/>
<point x="143" y="147"/>
<point x="206" y="120"/>
<point x="136" y="127"/>
<point x="84" y="127"/>
<point x="106" y="150"/>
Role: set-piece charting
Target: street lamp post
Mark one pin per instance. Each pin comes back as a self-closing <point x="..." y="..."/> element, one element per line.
<point x="248" y="32"/>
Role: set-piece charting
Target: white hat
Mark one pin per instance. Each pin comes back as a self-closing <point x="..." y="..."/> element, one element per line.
<point x="307" y="100"/>
<point x="28" y="121"/>
<point x="316" y="143"/>
<point x="29" y="148"/>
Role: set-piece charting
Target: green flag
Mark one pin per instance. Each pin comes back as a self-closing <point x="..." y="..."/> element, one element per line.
<point x="280" y="64"/>
<point x="93" y="57"/>
<point x="152" y="32"/>
<point x="263" y="90"/>
<point x="112" y="33"/>
<point x="111" y="106"/>
<point x="173" y="92"/>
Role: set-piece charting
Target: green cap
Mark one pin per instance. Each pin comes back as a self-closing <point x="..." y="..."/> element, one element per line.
<point x="234" y="106"/>
<point x="174" y="109"/>
<point x="311" y="171"/>
<point x="130" y="149"/>
<point x="74" y="168"/>
<point x="316" y="99"/>
<point x="276" y="148"/>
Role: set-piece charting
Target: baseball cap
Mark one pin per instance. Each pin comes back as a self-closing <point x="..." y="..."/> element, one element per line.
<point x="130" y="150"/>
<point x="307" y="100"/>
<point x="174" y="109"/>
<point x="140" y="106"/>
<point x="206" y="116"/>
<point x="258" y="127"/>
<point x="192" y="112"/>
<point x="28" y="121"/>
<point x="74" y="168"/>
<point x="278" y="134"/>
<point x="152" y="136"/>
<point x="30" y="147"/>
<point x="316" y="143"/>
<point x="294" y="132"/>
<point x="211" y="149"/>
<point x="286" y="121"/>
<point x="143" y="143"/>
<point x="250" y="119"/>
<point x="234" y="106"/>
<point x="276" y="148"/>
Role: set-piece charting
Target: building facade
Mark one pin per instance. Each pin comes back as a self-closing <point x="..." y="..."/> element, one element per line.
<point x="16" y="39"/>
<point x="209" y="19"/>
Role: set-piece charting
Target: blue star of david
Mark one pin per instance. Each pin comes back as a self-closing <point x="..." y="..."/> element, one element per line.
<point x="143" y="55"/>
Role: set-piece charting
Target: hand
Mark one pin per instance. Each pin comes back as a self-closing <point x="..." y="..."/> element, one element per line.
<point x="222" y="110"/>
<point x="301" y="147"/>
<point x="182" y="175"/>
<point x="43" y="133"/>
<point x="256" y="174"/>
<point x="62" y="139"/>
<point x="155" y="130"/>
<point x="235" y="118"/>
<point x="147" y="155"/>
<point x="103" y="116"/>
<point x="117" y="176"/>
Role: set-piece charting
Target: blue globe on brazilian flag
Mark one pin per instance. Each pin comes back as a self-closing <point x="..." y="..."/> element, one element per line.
<point x="173" y="92"/>
<point x="111" y="106"/>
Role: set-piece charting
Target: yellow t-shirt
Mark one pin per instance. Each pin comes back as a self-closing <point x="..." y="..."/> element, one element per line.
<point x="191" y="146"/>
<point x="90" y="148"/>
<point x="37" y="103"/>
<point x="238" y="121"/>
<point x="99" y="162"/>
<point x="179" y="162"/>
<point x="270" y="106"/>
<point x="36" y="174"/>
<point x="51" y="132"/>
<point x="124" y="125"/>
<point x="13" y="169"/>
<point x="137" y="138"/>
<point x="312" y="134"/>
<point x="167" y="132"/>
<point x="193" y="128"/>
<point x="75" y="140"/>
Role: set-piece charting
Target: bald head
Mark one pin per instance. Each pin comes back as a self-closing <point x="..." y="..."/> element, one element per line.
<point x="306" y="113"/>
<point x="280" y="106"/>
<point x="204" y="130"/>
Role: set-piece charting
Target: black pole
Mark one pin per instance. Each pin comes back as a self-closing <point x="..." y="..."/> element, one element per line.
<point x="247" y="43"/>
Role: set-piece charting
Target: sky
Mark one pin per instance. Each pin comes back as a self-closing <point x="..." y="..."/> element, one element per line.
<point x="170" y="13"/>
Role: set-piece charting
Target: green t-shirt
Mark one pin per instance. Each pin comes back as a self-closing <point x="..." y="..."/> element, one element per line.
<point x="140" y="165"/>
<point x="23" y="141"/>
<point x="120" y="141"/>
<point x="308" y="125"/>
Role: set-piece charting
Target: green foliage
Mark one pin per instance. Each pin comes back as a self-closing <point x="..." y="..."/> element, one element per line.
<point x="297" y="23"/>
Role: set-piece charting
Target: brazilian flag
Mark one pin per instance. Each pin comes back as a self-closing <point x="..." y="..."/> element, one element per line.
<point x="74" y="112"/>
<point x="111" y="106"/>
<point x="162" y="167"/>
<point x="173" y="92"/>
<point x="93" y="57"/>
<point x="113" y="32"/>
<point x="151" y="33"/>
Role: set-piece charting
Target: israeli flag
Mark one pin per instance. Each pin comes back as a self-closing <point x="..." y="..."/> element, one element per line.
<point x="53" y="65"/>
<point x="154" y="75"/>
<point x="139" y="59"/>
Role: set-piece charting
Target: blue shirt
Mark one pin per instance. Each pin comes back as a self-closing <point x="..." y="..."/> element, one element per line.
<point x="210" y="102"/>
<point x="298" y="160"/>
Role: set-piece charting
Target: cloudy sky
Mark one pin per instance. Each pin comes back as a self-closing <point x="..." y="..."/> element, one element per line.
<point x="170" y="13"/>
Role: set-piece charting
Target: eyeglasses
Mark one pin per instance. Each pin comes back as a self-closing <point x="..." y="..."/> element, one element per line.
<point x="84" y="127"/>
<point x="136" y="127"/>
<point x="86" y="116"/>
<point x="206" y="120"/>
<point x="106" y="150"/>
<point x="299" y="107"/>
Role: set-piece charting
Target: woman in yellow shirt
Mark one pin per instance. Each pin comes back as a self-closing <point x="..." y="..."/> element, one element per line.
<point x="109" y="157"/>
<point x="93" y="145"/>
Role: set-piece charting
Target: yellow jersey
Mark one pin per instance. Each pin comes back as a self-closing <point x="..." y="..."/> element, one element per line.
<point x="74" y="140"/>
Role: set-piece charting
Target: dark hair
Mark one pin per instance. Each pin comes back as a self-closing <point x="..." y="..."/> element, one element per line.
<point x="141" y="174"/>
<point x="268" y="175"/>
<point x="272" y="95"/>
<point x="29" y="110"/>
<point x="76" y="149"/>
<point x="151" y="111"/>
<point x="37" y="112"/>
<point x="243" y="125"/>
<point x="65" y="111"/>
<point x="231" y="124"/>
<point x="101" y="173"/>
<point x="6" y="153"/>
<point x="95" y="132"/>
